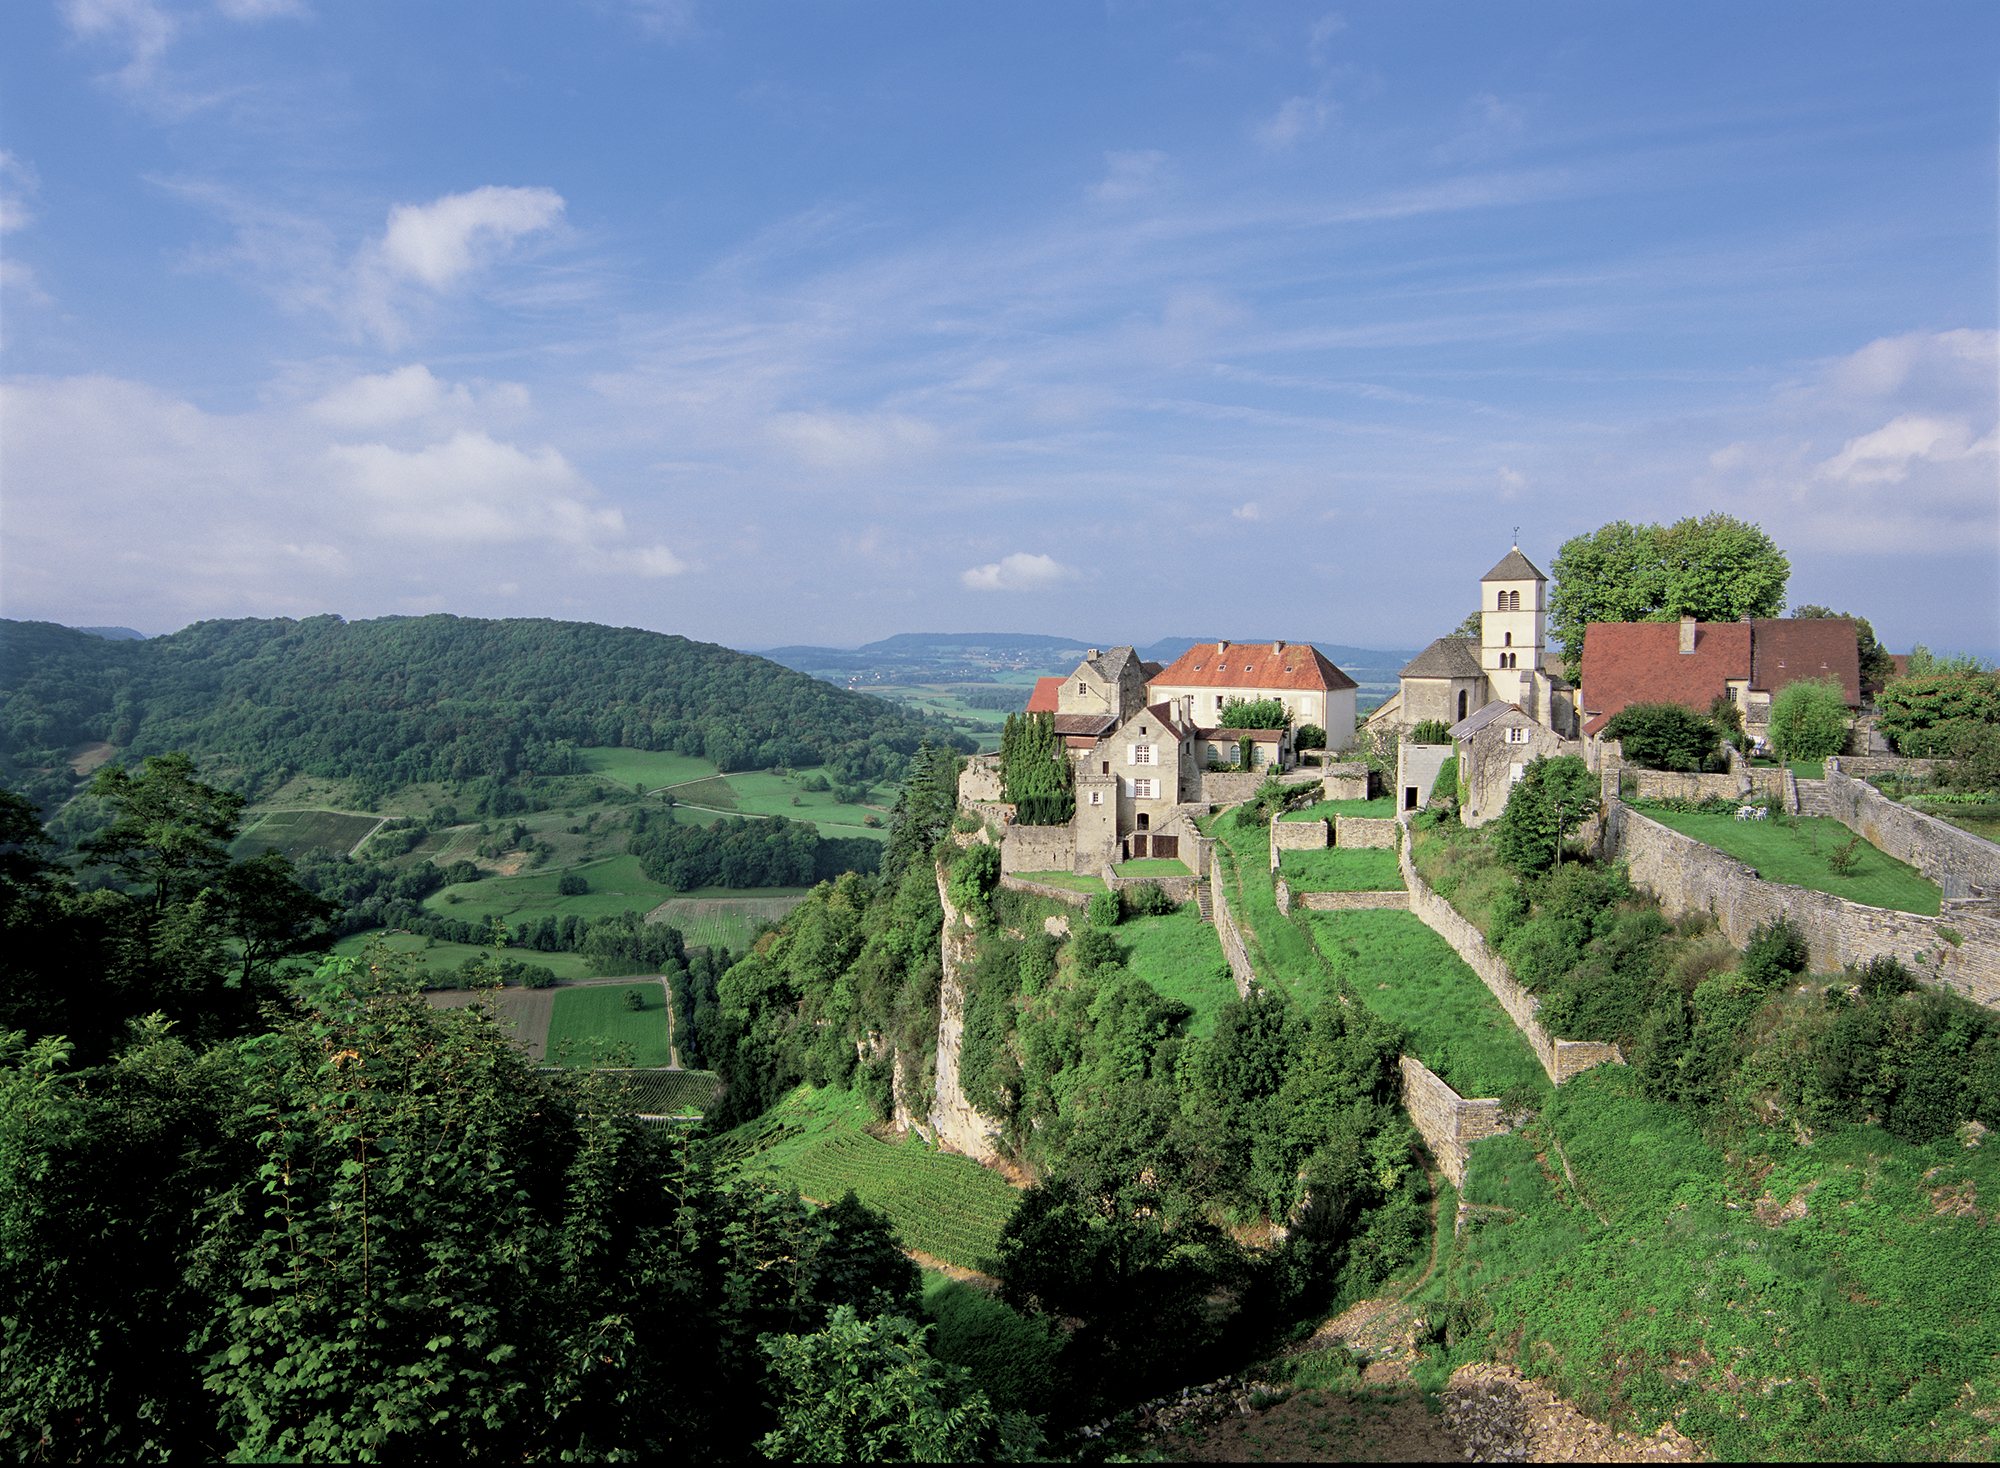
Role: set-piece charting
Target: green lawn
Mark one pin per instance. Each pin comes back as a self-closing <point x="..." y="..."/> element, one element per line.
<point x="616" y="885"/>
<point x="1073" y="881"/>
<point x="295" y="832"/>
<point x="817" y="1141"/>
<point x="1280" y="952"/>
<point x="436" y="956"/>
<point x="1381" y="807"/>
<point x="768" y="793"/>
<point x="1406" y="973"/>
<point x="1153" y="866"/>
<point x="1342" y="869"/>
<point x="1795" y="851"/>
<point x="1180" y="956"/>
<point x="1861" y="1322"/>
<point x="650" y="768"/>
<point x="592" y="1026"/>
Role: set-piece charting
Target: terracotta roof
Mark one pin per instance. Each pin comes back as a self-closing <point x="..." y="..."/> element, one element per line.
<point x="1787" y="650"/>
<point x="1642" y="662"/>
<point x="1043" y="699"/>
<point x="1448" y="657"/>
<point x="1295" y="665"/>
<point x="1086" y="725"/>
<point x="1514" y="567"/>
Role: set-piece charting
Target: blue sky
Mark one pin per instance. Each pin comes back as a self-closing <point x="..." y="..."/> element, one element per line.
<point x="815" y="322"/>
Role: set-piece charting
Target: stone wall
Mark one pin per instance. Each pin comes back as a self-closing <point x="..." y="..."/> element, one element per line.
<point x="1225" y="925"/>
<point x="1677" y="785"/>
<point x="1561" y="1059"/>
<point x="954" y="1121"/>
<point x="1376" y="831"/>
<point x="1038" y="849"/>
<point x="1961" y="863"/>
<point x="1044" y="889"/>
<point x="1353" y="901"/>
<point x="1297" y="836"/>
<point x="1345" y="781"/>
<point x="1960" y="949"/>
<point x="1233" y="789"/>
<point x="1862" y="767"/>
<point x="980" y="780"/>
<point x="1447" y="1121"/>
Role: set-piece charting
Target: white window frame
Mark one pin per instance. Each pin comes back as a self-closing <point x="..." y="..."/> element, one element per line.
<point x="1516" y="734"/>
<point x="1097" y="797"/>
<point x="1139" y="754"/>
<point x="1143" y="788"/>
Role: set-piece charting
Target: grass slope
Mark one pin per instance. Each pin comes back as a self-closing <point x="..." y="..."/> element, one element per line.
<point x="644" y="768"/>
<point x="725" y="922"/>
<point x="1342" y="869"/>
<point x="1406" y="973"/>
<point x="1181" y="957"/>
<point x="1072" y="881"/>
<point x="1831" y="1301"/>
<point x="592" y="1026"/>
<point x="616" y="885"/>
<point x="1380" y="808"/>
<point x="817" y="1141"/>
<point x="1795" y="851"/>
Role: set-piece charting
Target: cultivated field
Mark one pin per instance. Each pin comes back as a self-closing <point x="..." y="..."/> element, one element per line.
<point x="617" y="884"/>
<point x="817" y="1141"/>
<point x="650" y="769"/>
<point x="725" y="922"/>
<point x="295" y="832"/>
<point x="434" y="955"/>
<point x="592" y="1025"/>
<point x="523" y="1011"/>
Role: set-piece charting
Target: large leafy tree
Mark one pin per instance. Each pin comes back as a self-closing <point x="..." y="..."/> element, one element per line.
<point x="1554" y="796"/>
<point x="1929" y="715"/>
<point x="1714" y="567"/>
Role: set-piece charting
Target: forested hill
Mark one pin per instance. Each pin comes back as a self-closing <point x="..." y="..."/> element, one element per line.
<point x="404" y="699"/>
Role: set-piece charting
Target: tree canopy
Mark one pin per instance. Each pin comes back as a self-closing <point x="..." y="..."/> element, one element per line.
<point x="1714" y="568"/>
<point x="1809" y="719"/>
<point x="1554" y="796"/>
<point x="1664" y="736"/>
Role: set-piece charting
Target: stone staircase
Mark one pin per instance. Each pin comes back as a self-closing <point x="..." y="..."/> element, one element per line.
<point x="1204" y="904"/>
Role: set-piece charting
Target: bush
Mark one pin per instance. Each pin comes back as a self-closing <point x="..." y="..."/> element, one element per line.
<point x="1148" y="899"/>
<point x="572" y="884"/>
<point x="1431" y="731"/>
<point x="1309" y="736"/>
<point x="1664" y="736"/>
<point x="1104" y="910"/>
<point x="1261" y="713"/>
<point x="1809" y="719"/>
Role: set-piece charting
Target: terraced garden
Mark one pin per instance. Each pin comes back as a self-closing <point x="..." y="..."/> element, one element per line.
<point x="1801" y="851"/>
<point x="817" y="1141"/>
<point x="1342" y="869"/>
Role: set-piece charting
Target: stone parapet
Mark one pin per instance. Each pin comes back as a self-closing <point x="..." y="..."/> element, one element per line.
<point x="1959" y="949"/>
<point x="1354" y="901"/>
<point x="1867" y="766"/>
<point x="1038" y="849"/>
<point x="1448" y="1122"/>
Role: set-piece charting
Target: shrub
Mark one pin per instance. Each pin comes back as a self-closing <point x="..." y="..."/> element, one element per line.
<point x="1554" y="797"/>
<point x="1431" y="731"/>
<point x="1809" y="719"/>
<point x="1775" y="955"/>
<point x="634" y="1000"/>
<point x="1260" y="713"/>
<point x="1148" y="899"/>
<point x="1664" y="736"/>
<point x="1309" y="736"/>
<point x="1104" y="910"/>
<point x="572" y="884"/>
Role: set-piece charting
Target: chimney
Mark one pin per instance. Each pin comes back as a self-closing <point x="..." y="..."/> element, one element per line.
<point x="1094" y="654"/>
<point x="1222" y="647"/>
<point x="1687" y="634"/>
<point x="1187" y="709"/>
<point x="1277" y="647"/>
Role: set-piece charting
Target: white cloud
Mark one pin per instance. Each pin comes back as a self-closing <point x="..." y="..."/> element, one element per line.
<point x="848" y="443"/>
<point x="1319" y="39"/>
<point x="18" y="186"/>
<point x="1132" y="175"/>
<point x="383" y="398"/>
<point x="1248" y="510"/>
<point x="471" y="489"/>
<point x="1887" y="455"/>
<point x="1017" y="572"/>
<point x="436" y="243"/>
<point x="141" y="29"/>
<point x="1296" y="119"/>
<point x="1917" y="359"/>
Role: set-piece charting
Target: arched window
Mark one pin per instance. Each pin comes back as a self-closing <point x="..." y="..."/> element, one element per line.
<point x="1461" y="703"/>
<point x="1506" y="639"/>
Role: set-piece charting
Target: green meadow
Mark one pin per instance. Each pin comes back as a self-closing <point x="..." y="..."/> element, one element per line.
<point x="436" y="956"/>
<point x="1180" y="956"/>
<point x="1796" y="849"/>
<point x="595" y="1025"/>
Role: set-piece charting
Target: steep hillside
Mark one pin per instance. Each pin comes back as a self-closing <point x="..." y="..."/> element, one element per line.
<point x="399" y="700"/>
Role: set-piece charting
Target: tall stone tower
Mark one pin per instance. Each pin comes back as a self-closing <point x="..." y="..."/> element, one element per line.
<point x="1513" y="631"/>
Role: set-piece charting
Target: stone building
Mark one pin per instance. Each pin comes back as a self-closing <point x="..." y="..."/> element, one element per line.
<point x="1202" y="680"/>
<point x="1495" y="746"/>
<point x="1694" y="663"/>
<point x="1509" y="662"/>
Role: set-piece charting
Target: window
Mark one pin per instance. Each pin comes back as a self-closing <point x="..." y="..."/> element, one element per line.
<point x="1506" y="639"/>
<point x="1517" y="735"/>
<point x="1142" y="789"/>
<point x="1142" y="754"/>
<point x="1097" y="797"/>
<point x="1218" y="703"/>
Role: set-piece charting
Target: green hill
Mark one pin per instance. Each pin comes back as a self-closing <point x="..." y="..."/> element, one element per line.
<point x="402" y="700"/>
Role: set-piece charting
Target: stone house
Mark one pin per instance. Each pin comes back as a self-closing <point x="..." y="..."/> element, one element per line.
<point x="1694" y="663"/>
<point x="1495" y="746"/>
<point x="1510" y="662"/>
<point x="1132" y="782"/>
<point x="1209" y="675"/>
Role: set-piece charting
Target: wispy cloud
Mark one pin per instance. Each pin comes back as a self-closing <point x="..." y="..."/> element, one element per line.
<point x="1135" y="174"/>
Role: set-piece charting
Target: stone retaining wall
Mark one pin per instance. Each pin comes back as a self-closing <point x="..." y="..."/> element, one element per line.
<point x="1038" y="849"/>
<point x="1353" y="901"/>
<point x="1220" y="788"/>
<point x="1297" y="836"/>
<point x="1561" y="1059"/>
<point x="1181" y="889"/>
<point x="1447" y="1121"/>
<point x="1378" y="832"/>
<point x="1961" y="863"/>
<point x="1225" y="926"/>
<point x="1959" y="949"/>
<point x="1744" y="783"/>
<point x="1045" y="889"/>
<point x="1861" y="766"/>
<point x="1347" y="780"/>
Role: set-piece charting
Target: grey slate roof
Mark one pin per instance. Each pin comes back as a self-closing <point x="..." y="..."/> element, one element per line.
<point x="1479" y="718"/>
<point x="1109" y="665"/>
<point x="1448" y="657"/>
<point x="1514" y="567"/>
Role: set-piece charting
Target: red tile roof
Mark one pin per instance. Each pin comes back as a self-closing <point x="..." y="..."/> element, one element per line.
<point x="1291" y="665"/>
<point x="1787" y="650"/>
<point x="1641" y="662"/>
<point x="1043" y="699"/>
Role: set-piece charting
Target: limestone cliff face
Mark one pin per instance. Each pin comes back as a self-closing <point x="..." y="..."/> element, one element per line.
<point x="954" y="1122"/>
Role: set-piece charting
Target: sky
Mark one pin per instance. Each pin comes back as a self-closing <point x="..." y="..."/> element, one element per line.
<point x="820" y="321"/>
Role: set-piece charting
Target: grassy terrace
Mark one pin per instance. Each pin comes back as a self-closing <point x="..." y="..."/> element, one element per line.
<point x="1072" y="881"/>
<point x="1342" y="869"/>
<point x="1796" y="851"/>
<point x="1406" y="973"/>
<point x="818" y="1141"/>
<point x="1280" y="952"/>
<point x="1153" y="866"/>
<point x="1181" y="957"/>
<point x="1779" y="1301"/>
<point x="1382" y="807"/>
